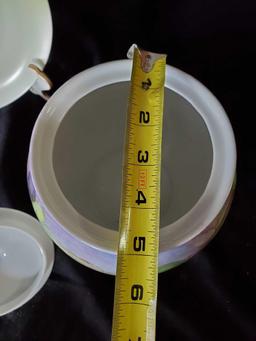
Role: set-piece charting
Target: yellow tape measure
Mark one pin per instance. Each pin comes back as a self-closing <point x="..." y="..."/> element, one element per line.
<point x="137" y="264"/>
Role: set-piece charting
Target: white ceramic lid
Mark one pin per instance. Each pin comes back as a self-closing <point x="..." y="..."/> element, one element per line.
<point x="26" y="258"/>
<point x="25" y="38"/>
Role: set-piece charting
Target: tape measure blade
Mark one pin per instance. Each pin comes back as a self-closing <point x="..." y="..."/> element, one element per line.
<point x="137" y="262"/>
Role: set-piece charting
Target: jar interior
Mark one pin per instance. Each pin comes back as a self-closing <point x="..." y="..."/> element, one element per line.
<point x="88" y="147"/>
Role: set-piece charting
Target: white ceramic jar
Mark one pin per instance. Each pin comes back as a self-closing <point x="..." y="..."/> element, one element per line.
<point x="74" y="166"/>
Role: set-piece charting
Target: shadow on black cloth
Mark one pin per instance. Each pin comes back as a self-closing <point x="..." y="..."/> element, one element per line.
<point x="212" y="296"/>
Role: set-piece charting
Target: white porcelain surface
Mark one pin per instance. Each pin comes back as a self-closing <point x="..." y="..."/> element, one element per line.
<point x="90" y="236"/>
<point x="89" y="172"/>
<point x="26" y="258"/>
<point x="25" y="38"/>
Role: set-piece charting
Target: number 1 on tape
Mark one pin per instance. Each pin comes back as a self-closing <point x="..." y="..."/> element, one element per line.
<point x="137" y="262"/>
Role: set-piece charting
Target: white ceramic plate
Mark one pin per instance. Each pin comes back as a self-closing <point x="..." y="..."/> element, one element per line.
<point x="25" y="38"/>
<point x="26" y="258"/>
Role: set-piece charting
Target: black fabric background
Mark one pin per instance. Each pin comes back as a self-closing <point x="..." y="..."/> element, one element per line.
<point x="212" y="296"/>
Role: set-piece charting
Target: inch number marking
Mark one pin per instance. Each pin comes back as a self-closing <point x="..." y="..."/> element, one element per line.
<point x="142" y="158"/>
<point x="141" y="198"/>
<point x="136" y="292"/>
<point x="139" y="243"/>
<point x="144" y="116"/>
